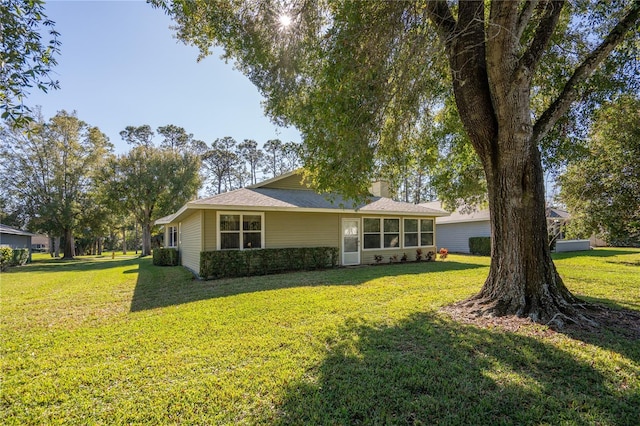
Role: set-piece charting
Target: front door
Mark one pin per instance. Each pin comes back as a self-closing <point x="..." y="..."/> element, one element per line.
<point x="350" y="242"/>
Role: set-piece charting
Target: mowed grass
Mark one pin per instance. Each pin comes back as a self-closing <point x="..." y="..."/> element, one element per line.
<point x="119" y="341"/>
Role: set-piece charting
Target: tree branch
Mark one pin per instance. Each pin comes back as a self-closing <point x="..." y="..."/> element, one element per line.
<point x="544" y="31"/>
<point x="442" y="18"/>
<point x="525" y="16"/>
<point x="570" y="92"/>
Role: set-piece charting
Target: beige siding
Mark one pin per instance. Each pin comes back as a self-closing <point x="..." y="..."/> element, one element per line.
<point x="191" y="241"/>
<point x="292" y="182"/>
<point x="210" y="231"/>
<point x="289" y="229"/>
<point x="368" y="255"/>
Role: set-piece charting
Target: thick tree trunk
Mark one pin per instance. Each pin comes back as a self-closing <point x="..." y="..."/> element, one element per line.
<point x="146" y="239"/>
<point x="69" y="249"/>
<point x="56" y="252"/>
<point x="522" y="280"/>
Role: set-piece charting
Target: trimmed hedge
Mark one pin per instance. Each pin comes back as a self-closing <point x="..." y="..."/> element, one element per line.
<point x="166" y="257"/>
<point x="20" y="257"/>
<point x="480" y="245"/>
<point x="239" y="263"/>
<point x="6" y="257"/>
<point x="13" y="257"/>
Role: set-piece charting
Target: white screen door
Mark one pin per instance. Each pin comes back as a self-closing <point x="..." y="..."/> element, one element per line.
<point x="350" y="242"/>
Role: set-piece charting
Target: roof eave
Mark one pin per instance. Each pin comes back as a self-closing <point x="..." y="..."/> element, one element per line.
<point x="228" y="207"/>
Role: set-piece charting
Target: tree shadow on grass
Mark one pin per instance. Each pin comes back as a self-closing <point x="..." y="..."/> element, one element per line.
<point x="78" y="264"/>
<point x="162" y="286"/>
<point x="431" y="370"/>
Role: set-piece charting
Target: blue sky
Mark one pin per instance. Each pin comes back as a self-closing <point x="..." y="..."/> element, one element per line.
<point x="120" y="65"/>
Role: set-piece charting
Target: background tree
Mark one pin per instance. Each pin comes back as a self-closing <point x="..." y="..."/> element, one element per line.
<point x="272" y="157"/>
<point x="25" y="60"/>
<point x="602" y="190"/>
<point x="281" y="157"/>
<point x="220" y="162"/>
<point x="138" y="136"/>
<point x="151" y="182"/>
<point x="175" y="138"/>
<point x="52" y="170"/>
<point x="291" y="157"/>
<point x="249" y="152"/>
<point x="351" y="75"/>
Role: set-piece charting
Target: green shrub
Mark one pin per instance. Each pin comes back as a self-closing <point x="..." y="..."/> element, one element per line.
<point x="166" y="257"/>
<point x="6" y="258"/>
<point x="20" y="257"/>
<point x="238" y="263"/>
<point x="480" y="245"/>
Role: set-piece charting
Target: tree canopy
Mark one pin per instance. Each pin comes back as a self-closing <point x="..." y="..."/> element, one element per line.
<point x="26" y="60"/>
<point x="358" y="77"/>
<point x="149" y="181"/>
<point x="52" y="172"/>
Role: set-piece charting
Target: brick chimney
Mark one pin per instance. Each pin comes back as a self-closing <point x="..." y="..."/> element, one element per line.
<point x="380" y="189"/>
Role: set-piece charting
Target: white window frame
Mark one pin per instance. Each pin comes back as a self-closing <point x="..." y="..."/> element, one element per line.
<point x="241" y="231"/>
<point x="432" y="232"/>
<point x="419" y="232"/>
<point x="382" y="232"/>
<point x="171" y="234"/>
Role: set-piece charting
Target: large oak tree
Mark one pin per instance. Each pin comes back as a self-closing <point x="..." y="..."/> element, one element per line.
<point x="355" y="77"/>
<point x="51" y="170"/>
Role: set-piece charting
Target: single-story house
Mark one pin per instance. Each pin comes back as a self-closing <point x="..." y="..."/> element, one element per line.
<point x="284" y="213"/>
<point x="455" y="230"/>
<point x="15" y="238"/>
<point x="40" y="243"/>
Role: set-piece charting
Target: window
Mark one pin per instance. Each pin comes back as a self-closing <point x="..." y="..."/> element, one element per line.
<point x="411" y="232"/>
<point x="371" y="231"/>
<point x="381" y="233"/>
<point x="391" y="233"/>
<point x="418" y="232"/>
<point x="239" y="231"/>
<point x="426" y="232"/>
<point x="173" y="236"/>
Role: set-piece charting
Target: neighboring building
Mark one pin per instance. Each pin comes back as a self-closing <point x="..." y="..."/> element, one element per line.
<point x="15" y="238"/>
<point x="282" y="213"/>
<point x="40" y="243"/>
<point x="455" y="230"/>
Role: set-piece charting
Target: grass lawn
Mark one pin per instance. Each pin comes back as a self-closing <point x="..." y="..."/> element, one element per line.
<point x="119" y="341"/>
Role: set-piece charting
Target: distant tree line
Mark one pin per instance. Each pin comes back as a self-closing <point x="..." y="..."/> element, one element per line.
<point x="230" y="165"/>
<point x="61" y="177"/>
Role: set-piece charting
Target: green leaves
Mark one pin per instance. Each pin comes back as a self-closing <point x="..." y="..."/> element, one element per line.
<point x="151" y="182"/>
<point x="25" y="60"/>
<point x="54" y="168"/>
<point x="602" y="190"/>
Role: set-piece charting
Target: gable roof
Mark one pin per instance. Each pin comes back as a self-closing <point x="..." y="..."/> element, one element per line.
<point x="257" y="197"/>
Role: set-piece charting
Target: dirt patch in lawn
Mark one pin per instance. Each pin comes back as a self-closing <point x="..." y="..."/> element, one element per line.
<point x="619" y="322"/>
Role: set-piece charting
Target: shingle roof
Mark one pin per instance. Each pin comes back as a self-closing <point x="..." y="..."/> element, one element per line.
<point x="14" y="231"/>
<point x="482" y="215"/>
<point x="303" y="199"/>
<point x="285" y="199"/>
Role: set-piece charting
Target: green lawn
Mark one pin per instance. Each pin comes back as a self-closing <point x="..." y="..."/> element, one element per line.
<point x="102" y="341"/>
